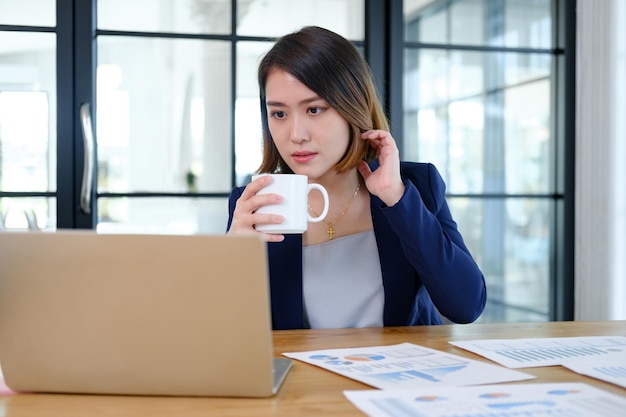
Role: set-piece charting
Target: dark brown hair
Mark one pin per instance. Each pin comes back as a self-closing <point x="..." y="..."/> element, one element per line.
<point x="332" y="67"/>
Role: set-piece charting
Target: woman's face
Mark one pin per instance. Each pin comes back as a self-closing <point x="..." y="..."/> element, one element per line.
<point x="309" y="134"/>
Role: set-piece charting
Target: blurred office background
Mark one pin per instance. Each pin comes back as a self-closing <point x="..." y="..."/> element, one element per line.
<point x="140" y="116"/>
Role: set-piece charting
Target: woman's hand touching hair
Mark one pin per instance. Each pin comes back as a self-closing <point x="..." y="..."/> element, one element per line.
<point x="384" y="182"/>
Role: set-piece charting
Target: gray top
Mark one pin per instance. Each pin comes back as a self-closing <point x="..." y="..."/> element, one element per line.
<point x="342" y="283"/>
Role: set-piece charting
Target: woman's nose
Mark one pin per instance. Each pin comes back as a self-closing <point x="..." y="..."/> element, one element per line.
<point x="298" y="130"/>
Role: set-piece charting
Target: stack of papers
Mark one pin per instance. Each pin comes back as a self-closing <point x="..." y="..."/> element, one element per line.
<point x="419" y="381"/>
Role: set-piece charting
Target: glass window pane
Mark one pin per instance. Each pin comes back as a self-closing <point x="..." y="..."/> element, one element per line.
<point x="273" y="18"/>
<point x="510" y="23"/>
<point x="467" y="19"/>
<point x="521" y="68"/>
<point x="435" y="76"/>
<point x="24" y="147"/>
<point x="33" y="213"/>
<point x="466" y="150"/>
<point x="248" y="135"/>
<point x="28" y="13"/>
<point x="425" y="21"/>
<point x="181" y="16"/>
<point x="163" y="215"/>
<point x="512" y="249"/>
<point x="467" y="74"/>
<point x="425" y="78"/>
<point x="27" y="112"/>
<point x="528" y="140"/>
<point x="528" y="24"/>
<point x="163" y="115"/>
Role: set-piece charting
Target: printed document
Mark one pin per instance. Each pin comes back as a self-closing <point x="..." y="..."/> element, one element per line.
<point x="527" y="353"/>
<point x="513" y="400"/>
<point x="407" y="366"/>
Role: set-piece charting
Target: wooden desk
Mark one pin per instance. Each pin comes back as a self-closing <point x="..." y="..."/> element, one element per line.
<point x="312" y="391"/>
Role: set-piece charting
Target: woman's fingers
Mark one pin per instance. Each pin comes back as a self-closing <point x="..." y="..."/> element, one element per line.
<point x="383" y="143"/>
<point x="385" y="182"/>
<point x="364" y="170"/>
<point x="255" y="186"/>
<point x="245" y="216"/>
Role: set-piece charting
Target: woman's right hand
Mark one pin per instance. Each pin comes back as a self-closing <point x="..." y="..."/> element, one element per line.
<point x="245" y="215"/>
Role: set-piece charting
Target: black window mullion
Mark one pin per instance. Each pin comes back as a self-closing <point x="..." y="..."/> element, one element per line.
<point x="65" y="118"/>
<point x="375" y="46"/>
<point x="563" y="283"/>
<point x="84" y="92"/>
<point x="395" y="72"/>
<point x="233" y="90"/>
<point x="384" y="22"/>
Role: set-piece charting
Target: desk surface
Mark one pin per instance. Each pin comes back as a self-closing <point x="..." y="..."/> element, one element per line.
<point x="312" y="391"/>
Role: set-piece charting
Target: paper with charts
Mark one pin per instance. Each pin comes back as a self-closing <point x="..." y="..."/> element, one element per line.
<point x="514" y="400"/>
<point x="407" y="366"/>
<point x="527" y="353"/>
<point x="609" y="368"/>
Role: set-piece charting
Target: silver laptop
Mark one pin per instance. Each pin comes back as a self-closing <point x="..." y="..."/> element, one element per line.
<point x="82" y="312"/>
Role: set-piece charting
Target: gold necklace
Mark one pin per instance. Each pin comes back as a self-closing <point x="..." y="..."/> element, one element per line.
<point x="331" y="230"/>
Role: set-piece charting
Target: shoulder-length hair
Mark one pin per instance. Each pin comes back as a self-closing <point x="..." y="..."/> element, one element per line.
<point x="333" y="68"/>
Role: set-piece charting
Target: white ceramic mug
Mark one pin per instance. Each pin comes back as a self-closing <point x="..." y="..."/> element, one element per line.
<point x="295" y="191"/>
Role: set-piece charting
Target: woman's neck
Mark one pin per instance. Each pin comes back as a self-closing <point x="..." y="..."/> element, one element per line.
<point x="348" y="212"/>
<point x="340" y="184"/>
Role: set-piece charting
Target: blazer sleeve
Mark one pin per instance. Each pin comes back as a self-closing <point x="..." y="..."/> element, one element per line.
<point x="232" y="201"/>
<point x="433" y="245"/>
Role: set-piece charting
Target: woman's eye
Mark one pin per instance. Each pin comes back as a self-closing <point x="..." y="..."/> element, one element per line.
<point x="278" y="114"/>
<point x="316" y="110"/>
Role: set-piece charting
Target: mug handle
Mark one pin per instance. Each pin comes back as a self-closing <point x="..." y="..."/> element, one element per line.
<point x="322" y="190"/>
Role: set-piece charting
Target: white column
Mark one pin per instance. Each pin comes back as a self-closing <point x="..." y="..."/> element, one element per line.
<point x="600" y="239"/>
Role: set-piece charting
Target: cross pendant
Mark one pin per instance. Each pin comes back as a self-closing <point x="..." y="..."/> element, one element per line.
<point x="330" y="232"/>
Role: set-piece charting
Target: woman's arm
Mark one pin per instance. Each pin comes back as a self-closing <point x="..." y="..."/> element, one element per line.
<point x="433" y="245"/>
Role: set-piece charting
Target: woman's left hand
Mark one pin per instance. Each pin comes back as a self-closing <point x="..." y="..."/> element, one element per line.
<point x="384" y="182"/>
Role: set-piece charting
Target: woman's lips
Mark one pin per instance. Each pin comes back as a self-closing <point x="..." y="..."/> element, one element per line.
<point x="303" y="157"/>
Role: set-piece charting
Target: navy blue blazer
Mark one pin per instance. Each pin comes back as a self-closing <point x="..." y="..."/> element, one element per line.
<point x="426" y="267"/>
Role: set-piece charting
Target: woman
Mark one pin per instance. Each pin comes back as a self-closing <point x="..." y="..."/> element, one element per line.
<point x="389" y="252"/>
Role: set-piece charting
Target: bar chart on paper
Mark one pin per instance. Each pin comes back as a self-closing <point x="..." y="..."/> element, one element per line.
<point x="610" y="370"/>
<point x="526" y="353"/>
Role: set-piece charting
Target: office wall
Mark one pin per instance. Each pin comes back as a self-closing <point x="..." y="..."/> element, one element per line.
<point x="600" y="160"/>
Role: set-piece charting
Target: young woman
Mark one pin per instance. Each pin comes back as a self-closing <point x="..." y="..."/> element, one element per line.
<point x="389" y="252"/>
